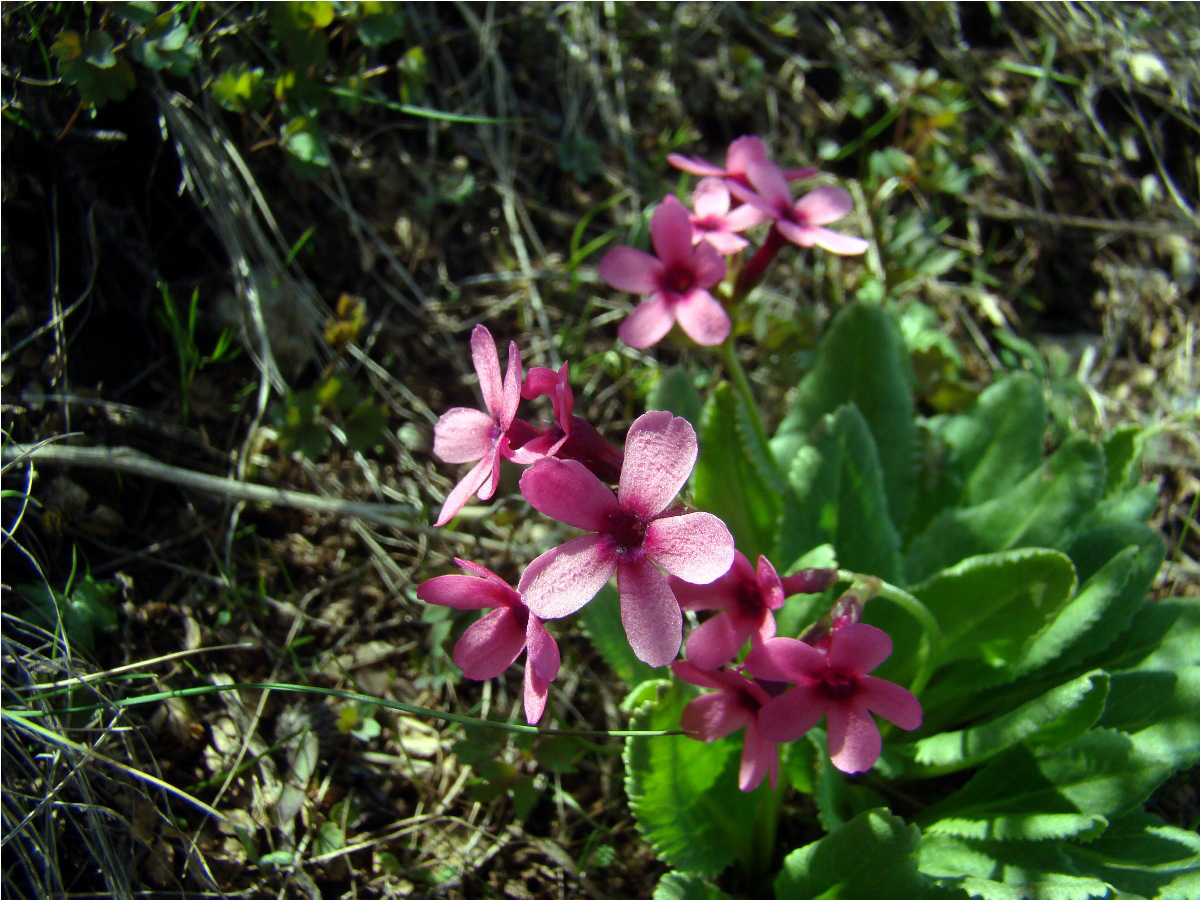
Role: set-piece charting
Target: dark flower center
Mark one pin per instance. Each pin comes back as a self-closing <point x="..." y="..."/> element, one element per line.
<point x="627" y="532"/>
<point x="748" y="598"/>
<point x="838" y="685"/>
<point x="679" y="280"/>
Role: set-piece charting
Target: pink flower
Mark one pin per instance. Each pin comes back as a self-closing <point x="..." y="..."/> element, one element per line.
<point x="833" y="684"/>
<point x="746" y="599"/>
<point x="800" y="221"/>
<point x="713" y="221"/>
<point x="633" y="534"/>
<point x="465" y="435"/>
<point x="741" y="153"/>
<point x="492" y="644"/>
<point x="568" y="437"/>
<point x="677" y="282"/>
<point x="737" y="703"/>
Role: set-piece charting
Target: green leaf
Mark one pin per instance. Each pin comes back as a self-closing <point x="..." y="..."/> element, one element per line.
<point x="1140" y="855"/>
<point x="999" y="441"/>
<point x="165" y="44"/>
<point x="839" y="499"/>
<point x="365" y="427"/>
<point x="684" y="794"/>
<point x="681" y="886"/>
<point x="1012" y="870"/>
<point x="1052" y="792"/>
<point x="240" y="89"/>
<point x="1061" y="714"/>
<point x="870" y="857"/>
<point x="601" y="621"/>
<point x="381" y="23"/>
<point x="675" y="392"/>
<point x="1042" y="510"/>
<point x="861" y="361"/>
<point x="86" y="608"/>
<point x="91" y="64"/>
<point x="1162" y="635"/>
<point x="729" y="482"/>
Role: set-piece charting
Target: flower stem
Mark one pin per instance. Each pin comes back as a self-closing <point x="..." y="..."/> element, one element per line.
<point x="749" y="277"/>
<point x="931" y="635"/>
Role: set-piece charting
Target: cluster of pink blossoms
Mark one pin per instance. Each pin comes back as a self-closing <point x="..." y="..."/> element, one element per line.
<point x="781" y="687"/>
<point x="690" y="245"/>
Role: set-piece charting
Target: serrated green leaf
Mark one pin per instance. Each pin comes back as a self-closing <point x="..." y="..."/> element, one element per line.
<point x="601" y="621"/>
<point x="862" y="361"/>
<point x="683" y="793"/>
<point x="1141" y="698"/>
<point x="728" y="482"/>
<point x="90" y="63"/>
<point x="1061" y="714"/>
<point x="999" y="441"/>
<point x="1042" y="510"/>
<point x="1023" y="827"/>
<point x="1140" y="855"/>
<point x="872" y="857"/>
<point x="1103" y="773"/>
<point x="681" y="886"/>
<point x="1010" y="870"/>
<point x="1162" y="635"/>
<point x="838" y="498"/>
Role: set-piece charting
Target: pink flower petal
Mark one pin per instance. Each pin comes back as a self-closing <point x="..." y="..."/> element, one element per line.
<point x="696" y="547"/>
<point x="651" y="616"/>
<point x="660" y="451"/>
<point x="711" y="198"/>
<point x="647" y="324"/>
<point x="707" y="265"/>
<point x="693" y="165"/>
<point x="786" y="659"/>
<point x="566" y="490"/>
<point x="745" y="216"/>
<point x="671" y="233"/>
<point x="543" y="657"/>
<point x="714" y="716"/>
<point x="723" y="242"/>
<point x="769" y="209"/>
<point x="894" y="703"/>
<point x="760" y="757"/>
<point x="809" y="581"/>
<point x="511" y="395"/>
<point x="631" y="270"/>
<point x="563" y="579"/>
<point x="799" y="174"/>
<point x="824" y="205"/>
<point x="717" y="680"/>
<point x="714" y="642"/>
<point x="702" y="318"/>
<point x="719" y="594"/>
<point x="490" y="645"/>
<point x="462" y="435"/>
<point x="859" y="648"/>
<point x="743" y="151"/>
<point x="770" y="587"/>
<point x="854" y="742"/>
<point x="841" y="244"/>
<point x="466" y="592"/>
<point x="537" y="690"/>
<point x="766" y="178"/>
<point x="487" y="366"/>
<point x="465" y="489"/>
<point x="790" y="715"/>
<point x="799" y="234"/>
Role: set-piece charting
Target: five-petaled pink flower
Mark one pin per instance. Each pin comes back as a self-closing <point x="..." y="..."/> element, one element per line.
<point x="746" y="599"/>
<point x="634" y="532"/>
<point x="737" y="702"/>
<point x="677" y="282"/>
<point x="714" y="221"/>
<point x="492" y="644"/>
<point x="741" y="153"/>
<point x="800" y="221"/>
<point x="465" y="435"/>
<point x="834" y="684"/>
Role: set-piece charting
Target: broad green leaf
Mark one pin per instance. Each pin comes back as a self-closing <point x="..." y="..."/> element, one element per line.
<point x="872" y="857"/>
<point x="729" y="482"/>
<point x="675" y="392"/>
<point x="998" y="442"/>
<point x="1061" y="714"/>
<point x="1140" y="855"/>
<point x="1103" y="773"/>
<point x="683" y="792"/>
<point x="1174" y="741"/>
<point x="681" y="886"/>
<point x="1040" y="511"/>
<point x="1123" y="453"/>
<point x="839" y="799"/>
<point x="861" y="361"/>
<point x="601" y="620"/>
<point x="1144" y="697"/>
<point x="91" y="64"/>
<point x="839" y="498"/>
<point x="1162" y="635"/>
<point x="1023" y="826"/>
<point x="1005" y="870"/>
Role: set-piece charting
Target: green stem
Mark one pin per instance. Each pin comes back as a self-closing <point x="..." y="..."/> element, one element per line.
<point x="931" y="634"/>
<point x="766" y="825"/>
<point x="742" y="385"/>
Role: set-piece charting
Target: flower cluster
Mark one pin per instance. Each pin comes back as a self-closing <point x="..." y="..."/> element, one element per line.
<point x="690" y="246"/>
<point x="669" y="561"/>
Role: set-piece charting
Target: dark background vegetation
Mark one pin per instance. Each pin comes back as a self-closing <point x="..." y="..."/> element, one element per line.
<point x="250" y="241"/>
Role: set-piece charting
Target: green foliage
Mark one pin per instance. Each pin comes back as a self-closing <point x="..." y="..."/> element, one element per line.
<point x="304" y="421"/>
<point x="78" y="611"/>
<point x="90" y="63"/>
